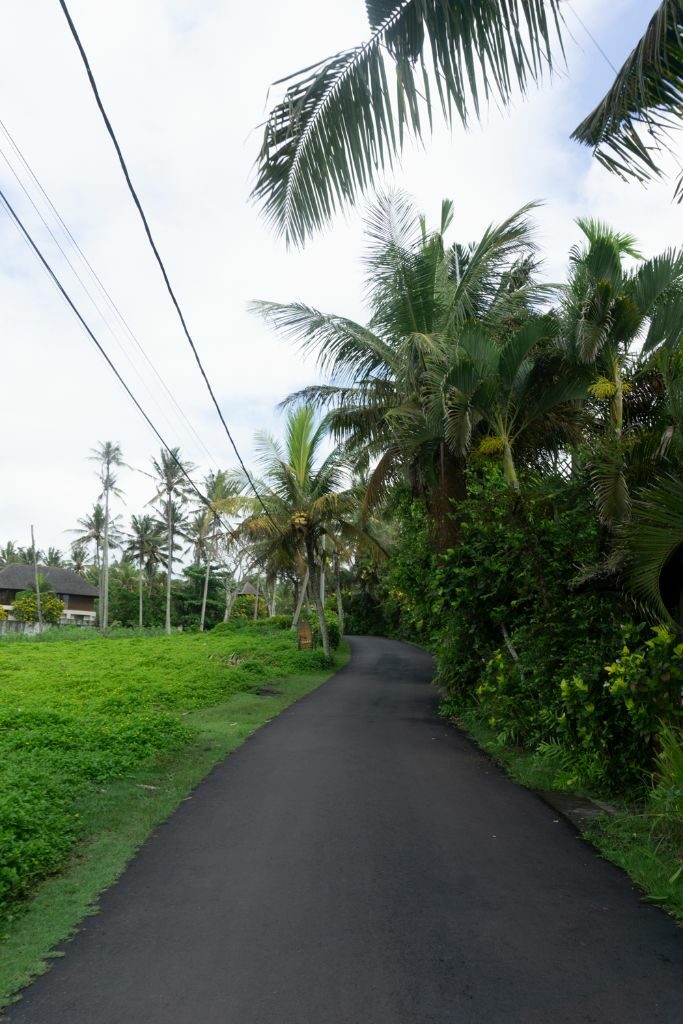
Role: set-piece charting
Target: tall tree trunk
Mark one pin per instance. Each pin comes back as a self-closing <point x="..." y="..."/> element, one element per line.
<point x="322" y="579"/>
<point x="37" y="581"/>
<point x="316" y="588"/>
<point x="228" y="599"/>
<point x="140" y="582"/>
<point x="104" y="597"/>
<point x="258" y="589"/>
<point x="169" y="567"/>
<point x="443" y="499"/>
<point x="206" y="592"/>
<point x="337" y="586"/>
<point x="299" y="604"/>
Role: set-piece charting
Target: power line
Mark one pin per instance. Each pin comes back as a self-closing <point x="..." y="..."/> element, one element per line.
<point x="590" y="35"/>
<point x="65" y="295"/>
<point x="112" y="304"/>
<point x="159" y="260"/>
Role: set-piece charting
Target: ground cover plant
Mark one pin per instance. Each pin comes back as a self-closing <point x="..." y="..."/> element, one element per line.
<point x="84" y="718"/>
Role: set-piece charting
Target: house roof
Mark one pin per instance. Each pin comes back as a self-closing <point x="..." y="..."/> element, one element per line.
<point x="247" y="588"/>
<point x="64" y="581"/>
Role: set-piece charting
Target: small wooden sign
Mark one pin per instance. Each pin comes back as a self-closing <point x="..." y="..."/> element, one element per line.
<point x="305" y="636"/>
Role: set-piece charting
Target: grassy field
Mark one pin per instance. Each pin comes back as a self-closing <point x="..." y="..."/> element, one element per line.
<point x="99" y="741"/>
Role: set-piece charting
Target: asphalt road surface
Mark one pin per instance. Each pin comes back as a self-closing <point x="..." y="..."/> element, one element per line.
<point x="359" y="862"/>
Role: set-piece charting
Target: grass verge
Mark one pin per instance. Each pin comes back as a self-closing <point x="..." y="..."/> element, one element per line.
<point x="117" y="816"/>
<point x="628" y="838"/>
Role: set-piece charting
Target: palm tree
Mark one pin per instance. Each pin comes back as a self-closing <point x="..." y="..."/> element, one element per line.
<point x="222" y="491"/>
<point x="338" y="124"/>
<point x="173" y="488"/>
<point x="109" y="456"/>
<point x="609" y="313"/>
<point x="9" y="554"/>
<point x="421" y="293"/>
<point x="91" y="531"/>
<point x="146" y="545"/>
<point x="79" y="557"/>
<point x="508" y="391"/>
<point x="53" y="556"/>
<point x="302" y="492"/>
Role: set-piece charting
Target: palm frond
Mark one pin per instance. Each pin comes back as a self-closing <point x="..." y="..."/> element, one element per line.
<point x="343" y="346"/>
<point x="651" y="538"/>
<point x="341" y="119"/>
<point x="645" y="100"/>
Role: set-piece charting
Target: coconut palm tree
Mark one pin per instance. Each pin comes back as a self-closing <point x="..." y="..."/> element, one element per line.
<point x="147" y="545"/>
<point x="421" y="293"/>
<point x="303" y="493"/>
<point x="79" y="557"/>
<point x="9" y="554"/>
<point x="109" y="456"/>
<point x="91" y="531"/>
<point x="223" y="493"/>
<point x="173" y="489"/>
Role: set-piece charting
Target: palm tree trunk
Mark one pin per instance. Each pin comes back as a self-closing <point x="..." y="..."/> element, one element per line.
<point x="140" y="581"/>
<point x="206" y="592"/>
<point x="322" y="580"/>
<point x="258" y="589"/>
<point x="443" y="499"/>
<point x="509" y="468"/>
<point x="316" y="587"/>
<point x="337" y="587"/>
<point x="169" y="566"/>
<point x="104" y="598"/>
<point x="300" y="602"/>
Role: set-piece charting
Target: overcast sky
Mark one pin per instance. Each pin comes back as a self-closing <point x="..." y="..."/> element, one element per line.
<point x="185" y="83"/>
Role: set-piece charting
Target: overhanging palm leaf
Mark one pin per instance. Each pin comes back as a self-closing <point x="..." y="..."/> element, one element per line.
<point x="646" y="94"/>
<point x="341" y="119"/>
<point x="651" y="538"/>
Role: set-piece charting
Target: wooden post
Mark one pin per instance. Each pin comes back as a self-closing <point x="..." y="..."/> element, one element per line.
<point x="37" y="579"/>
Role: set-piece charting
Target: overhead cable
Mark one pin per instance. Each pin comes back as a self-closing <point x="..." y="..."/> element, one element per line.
<point x="159" y="260"/>
<point x="65" y="295"/>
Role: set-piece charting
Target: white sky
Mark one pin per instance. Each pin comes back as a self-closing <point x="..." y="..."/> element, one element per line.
<point x="185" y="83"/>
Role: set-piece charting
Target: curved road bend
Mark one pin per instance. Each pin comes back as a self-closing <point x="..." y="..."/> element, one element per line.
<point x="359" y="862"/>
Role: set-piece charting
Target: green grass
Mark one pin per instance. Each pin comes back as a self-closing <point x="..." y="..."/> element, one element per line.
<point x="653" y="862"/>
<point x="100" y="741"/>
<point x="630" y="838"/>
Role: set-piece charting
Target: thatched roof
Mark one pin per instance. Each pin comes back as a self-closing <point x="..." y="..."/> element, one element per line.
<point x="64" y="581"/>
<point x="246" y="589"/>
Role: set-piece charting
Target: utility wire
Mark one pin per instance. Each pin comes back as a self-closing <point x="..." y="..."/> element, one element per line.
<point x="602" y="53"/>
<point x="80" y="280"/>
<point x="115" y="308"/>
<point x="159" y="260"/>
<point x="65" y="295"/>
<point x="590" y="35"/>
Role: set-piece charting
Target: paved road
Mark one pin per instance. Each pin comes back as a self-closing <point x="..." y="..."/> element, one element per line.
<point x="359" y="862"/>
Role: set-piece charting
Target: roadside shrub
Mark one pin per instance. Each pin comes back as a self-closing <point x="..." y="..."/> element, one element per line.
<point x="276" y="621"/>
<point x="25" y="607"/>
<point x="666" y="803"/>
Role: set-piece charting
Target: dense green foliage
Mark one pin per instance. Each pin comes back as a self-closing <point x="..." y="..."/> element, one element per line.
<point x="543" y="660"/>
<point x="77" y="715"/>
